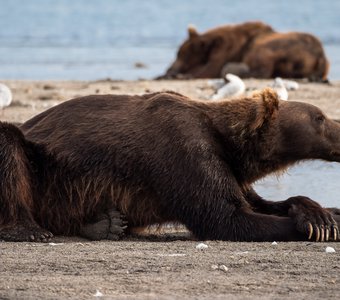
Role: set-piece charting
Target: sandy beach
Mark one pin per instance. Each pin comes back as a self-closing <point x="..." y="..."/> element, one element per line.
<point x="33" y="97"/>
<point x="166" y="265"/>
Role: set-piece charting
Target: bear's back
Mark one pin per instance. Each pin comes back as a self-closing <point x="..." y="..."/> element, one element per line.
<point x="102" y="125"/>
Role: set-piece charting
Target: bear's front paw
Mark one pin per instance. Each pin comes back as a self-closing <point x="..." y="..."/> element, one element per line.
<point x="25" y="233"/>
<point x="312" y="219"/>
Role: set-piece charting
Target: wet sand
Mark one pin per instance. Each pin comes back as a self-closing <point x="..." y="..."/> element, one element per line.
<point x="163" y="266"/>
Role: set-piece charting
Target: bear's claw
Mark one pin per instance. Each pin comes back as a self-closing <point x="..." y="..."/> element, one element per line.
<point x="323" y="233"/>
<point x="312" y="219"/>
<point x="44" y="237"/>
<point x="310" y="230"/>
<point x="335" y="233"/>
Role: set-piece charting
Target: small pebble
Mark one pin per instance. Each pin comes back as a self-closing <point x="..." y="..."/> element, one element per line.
<point x="201" y="246"/>
<point x="223" y="268"/>
<point x="140" y="65"/>
<point x="173" y="254"/>
<point x="48" y="87"/>
<point x="242" y="252"/>
<point x="220" y="267"/>
<point x="330" y="250"/>
<point x="274" y="243"/>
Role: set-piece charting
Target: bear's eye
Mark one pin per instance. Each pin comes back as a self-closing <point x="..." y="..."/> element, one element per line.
<point x="320" y="118"/>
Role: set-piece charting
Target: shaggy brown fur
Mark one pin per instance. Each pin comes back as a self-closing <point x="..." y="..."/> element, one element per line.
<point x="267" y="53"/>
<point x="292" y="55"/>
<point x="162" y="158"/>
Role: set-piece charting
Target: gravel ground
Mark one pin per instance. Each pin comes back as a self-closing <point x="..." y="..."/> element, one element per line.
<point x="168" y="268"/>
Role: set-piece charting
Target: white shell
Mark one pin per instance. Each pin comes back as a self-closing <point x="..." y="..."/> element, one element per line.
<point x="223" y="268"/>
<point x="55" y="244"/>
<point x="330" y="250"/>
<point x="98" y="294"/>
<point x="201" y="246"/>
<point x="220" y="267"/>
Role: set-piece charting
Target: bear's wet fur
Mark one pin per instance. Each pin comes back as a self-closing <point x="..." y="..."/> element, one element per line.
<point x="158" y="158"/>
<point x="266" y="53"/>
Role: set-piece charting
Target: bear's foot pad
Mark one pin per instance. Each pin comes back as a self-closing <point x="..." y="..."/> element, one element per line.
<point x="317" y="222"/>
<point x="25" y="233"/>
<point x="107" y="226"/>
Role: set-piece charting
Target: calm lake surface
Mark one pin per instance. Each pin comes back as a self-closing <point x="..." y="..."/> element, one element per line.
<point x="317" y="180"/>
<point x="89" y="40"/>
<point x="81" y="39"/>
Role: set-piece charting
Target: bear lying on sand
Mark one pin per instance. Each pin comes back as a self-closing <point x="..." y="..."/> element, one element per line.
<point x="139" y="160"/>
<point x="265" y="53"/>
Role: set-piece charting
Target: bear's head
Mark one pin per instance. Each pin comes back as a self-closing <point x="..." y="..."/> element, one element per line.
<point x="294" y="131"/>
<point x="268" y="135"/>
<point x="194" y="52"/>
<point x="307" y="133"/>
<point x="217" y="46"/>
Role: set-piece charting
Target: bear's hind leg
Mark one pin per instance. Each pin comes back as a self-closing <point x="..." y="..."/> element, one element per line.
<point x="16" y="199"/>
<point x="106" y="226"/>
<point x="23" y="231"/>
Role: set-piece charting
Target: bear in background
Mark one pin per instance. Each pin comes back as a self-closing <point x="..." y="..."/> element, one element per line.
<point x="265" y="53"/>
<point x="111" y="161"/>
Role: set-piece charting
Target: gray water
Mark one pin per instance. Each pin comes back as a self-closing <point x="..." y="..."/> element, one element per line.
<point x="88" y="40"/>
<point x="317" y="180"/>
<point x="82" y="39"/>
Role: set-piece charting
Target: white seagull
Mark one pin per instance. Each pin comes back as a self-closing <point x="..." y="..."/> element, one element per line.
<point x="291" y="85"/>
<point x="216" y="83"/>
<point x="280" y="88"/>
<point x="5" y="96"/>
<point x="233" y="88"/>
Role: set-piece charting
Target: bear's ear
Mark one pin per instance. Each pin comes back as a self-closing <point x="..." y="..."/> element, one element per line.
<point x="192" y="31"/>
<point x="268" y="105"/>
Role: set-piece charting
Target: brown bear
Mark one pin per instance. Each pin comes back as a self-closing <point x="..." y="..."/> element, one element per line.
<point x="266" y="53"/>
<point x="113" y="161"/>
